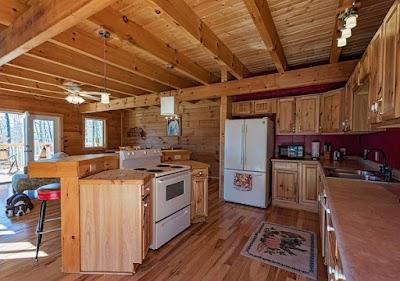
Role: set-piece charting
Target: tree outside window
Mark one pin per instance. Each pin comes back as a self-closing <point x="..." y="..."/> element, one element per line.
<point x="94" y="133"/>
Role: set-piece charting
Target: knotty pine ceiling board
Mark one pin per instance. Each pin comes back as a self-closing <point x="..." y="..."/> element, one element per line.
<point x="371" y="15"/>
<point x="231" y="22"/>
<point x="305" y="29"/>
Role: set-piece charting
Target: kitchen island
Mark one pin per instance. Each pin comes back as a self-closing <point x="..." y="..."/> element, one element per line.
<point x="70" y="170"/>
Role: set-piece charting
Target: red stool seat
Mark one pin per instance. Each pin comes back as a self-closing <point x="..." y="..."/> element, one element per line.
<point x="49" y="192"/>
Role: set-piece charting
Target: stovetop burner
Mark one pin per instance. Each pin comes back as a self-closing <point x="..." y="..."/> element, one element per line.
<point x="155" y="171"/>
<point x="176" y="167"/>
<point x="140" y="169"/>
<point x="163" y="165"/>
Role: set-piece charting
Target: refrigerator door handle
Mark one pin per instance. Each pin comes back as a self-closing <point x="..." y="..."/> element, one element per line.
<point x="242" y="147"/>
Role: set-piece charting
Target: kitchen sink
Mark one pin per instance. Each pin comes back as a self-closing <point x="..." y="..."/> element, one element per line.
<point x="353" y="174"/>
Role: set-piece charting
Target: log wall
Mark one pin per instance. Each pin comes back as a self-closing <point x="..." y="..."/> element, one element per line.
<point x="199" y="130"/>
<point x="73" y="134"/>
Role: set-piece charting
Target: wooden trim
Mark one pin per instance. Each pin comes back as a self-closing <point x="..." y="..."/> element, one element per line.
<point x="225" y="113"/>
<point x="196" y="29"/>
<point x="140" y="38"/>
<point x="324" y="74"/>
<point x="50" y="18"/>
<point x="261" y="15"/>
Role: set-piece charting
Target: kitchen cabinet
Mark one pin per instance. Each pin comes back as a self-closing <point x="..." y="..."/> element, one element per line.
<point x="390" y="64"/>
<point x="199" y="196"/>
<point x="175" y="154"/>
<point x="295" y="184"/>
<point x="257" y="107"/>
<point x="116" y="221"/>
<point x="298" y="115"/>
<point x="331" y="111"/>
<point x="376" y="73"/>
<point x="347" y="123"/>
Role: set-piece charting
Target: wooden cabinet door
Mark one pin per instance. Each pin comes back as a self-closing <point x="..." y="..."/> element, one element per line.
<point x="309" y="184"/>
<point x="364" y="68"/>
<point x="307" y="114"/>
<point x="285" y="185"/>
<point x="331" y="111"/>
<point x="375" y="82"/>
<point x="286" y="116"/>
<point x="199" y="196"/>
<point x="348" y="108"/>
<point x="243" y="108"/>
<point x="147" y="238"/>
<point x="390" y="37"/>
<point x="265" y="106"/>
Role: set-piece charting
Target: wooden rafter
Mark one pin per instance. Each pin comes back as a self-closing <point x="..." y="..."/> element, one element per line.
<point x="69" y="74"/>
<point x="29" y="91"/>
<point x="324" y="74"/>
<point x="65" y="57"/>
<point x="195" y="28"/>
<point x="262" y="18"/>
<point x="146" y="42"/>
<point x="50" y="18"/>
<point x="84" y="43"/>
<point x="11" y="10"/>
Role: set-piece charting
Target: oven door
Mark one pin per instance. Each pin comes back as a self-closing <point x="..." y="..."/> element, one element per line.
<point x="172" y="193"/>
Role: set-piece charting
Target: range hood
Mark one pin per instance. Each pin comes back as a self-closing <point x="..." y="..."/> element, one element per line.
<point x="169" y="106"/>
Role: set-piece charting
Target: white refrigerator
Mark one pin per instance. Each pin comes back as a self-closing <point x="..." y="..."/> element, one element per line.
<point x="249" y="146"/>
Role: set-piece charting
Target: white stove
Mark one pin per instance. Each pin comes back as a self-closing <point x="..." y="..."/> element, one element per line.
<point x="171" y="192"/>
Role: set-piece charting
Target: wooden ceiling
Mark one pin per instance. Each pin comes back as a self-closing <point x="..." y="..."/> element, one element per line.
<point x="46" y="43"/>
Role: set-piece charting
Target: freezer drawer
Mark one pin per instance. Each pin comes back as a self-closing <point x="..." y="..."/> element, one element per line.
<point x="245" y="187"/>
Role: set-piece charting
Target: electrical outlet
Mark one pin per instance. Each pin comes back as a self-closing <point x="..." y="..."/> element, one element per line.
<point x="376" y="156"/>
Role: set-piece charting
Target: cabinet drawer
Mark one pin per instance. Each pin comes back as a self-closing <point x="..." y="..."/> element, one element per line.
<point x="285" y="166"/>
<point x="145" y="189"/>
<point x="200" y="172"/>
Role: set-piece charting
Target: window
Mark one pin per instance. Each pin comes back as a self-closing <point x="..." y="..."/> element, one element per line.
<point x="95" y="133"/>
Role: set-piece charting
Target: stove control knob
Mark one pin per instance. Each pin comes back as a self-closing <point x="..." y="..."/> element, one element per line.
<point x="133" y="153"/>
<point x="144" y="152"/>
<point x="129" y="153"/>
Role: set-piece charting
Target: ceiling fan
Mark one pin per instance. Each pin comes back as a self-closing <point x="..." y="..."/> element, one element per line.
<point x="76" y="93"/>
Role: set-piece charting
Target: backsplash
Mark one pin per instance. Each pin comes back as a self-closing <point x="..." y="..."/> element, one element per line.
<point x="388" y="141"/>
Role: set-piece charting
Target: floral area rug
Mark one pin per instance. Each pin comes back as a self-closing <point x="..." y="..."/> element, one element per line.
<point x="285" y="247"/>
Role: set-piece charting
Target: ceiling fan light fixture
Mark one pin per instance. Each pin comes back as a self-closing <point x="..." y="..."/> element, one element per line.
<point x="74" y="99"/>
<point x="346" y="33"/>
<point x="105" y="98"/>
<point x="341" y="42"/>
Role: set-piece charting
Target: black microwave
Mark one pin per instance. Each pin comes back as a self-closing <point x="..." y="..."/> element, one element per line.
<point x="291" y="151"/>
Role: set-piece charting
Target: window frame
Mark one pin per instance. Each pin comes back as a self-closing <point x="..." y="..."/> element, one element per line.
<point x="104" y="120"/>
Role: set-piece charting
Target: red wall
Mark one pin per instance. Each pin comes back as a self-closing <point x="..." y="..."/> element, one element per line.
<point x="389" y="141"/>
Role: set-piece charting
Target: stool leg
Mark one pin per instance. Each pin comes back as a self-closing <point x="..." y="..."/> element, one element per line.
<point x="39" y="228"/>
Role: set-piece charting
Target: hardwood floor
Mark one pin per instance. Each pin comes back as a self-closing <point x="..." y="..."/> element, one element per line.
<point x="208" y="251"/>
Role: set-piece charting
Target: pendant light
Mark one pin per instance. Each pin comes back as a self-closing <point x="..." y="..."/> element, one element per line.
<point x="341" y="42"/>
<point x="105" y="97"/>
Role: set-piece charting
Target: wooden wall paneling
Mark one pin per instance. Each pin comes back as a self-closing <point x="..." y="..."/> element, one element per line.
<point x="195" y="28"/>
<point x="51" y="18"/>
<point x="200" y="125"/>
<point x="318" y="75"/>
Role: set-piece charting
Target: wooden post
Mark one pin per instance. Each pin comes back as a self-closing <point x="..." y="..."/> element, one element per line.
<point x="225" y="113"/>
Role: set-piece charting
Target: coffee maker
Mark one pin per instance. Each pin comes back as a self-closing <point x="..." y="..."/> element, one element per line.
<point x="315" y="146"/>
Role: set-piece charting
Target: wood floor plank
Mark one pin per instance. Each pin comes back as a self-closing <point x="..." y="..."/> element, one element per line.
<point x="205" y="251"/>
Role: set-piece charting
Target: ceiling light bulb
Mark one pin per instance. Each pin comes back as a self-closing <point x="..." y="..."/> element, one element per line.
<point x="346" y="33"/>
<point x="105" y="98"/>
<point x="341" y="42"/>
<point x="69" y="98"/>
<point x="80" y="100"/>
<point x="351" y="21"/>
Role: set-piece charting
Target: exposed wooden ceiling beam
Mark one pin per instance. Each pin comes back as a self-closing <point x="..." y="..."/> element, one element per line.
<point x="28" y="91"/>
<point x="146" y="42"/>
<point x="261" y="15"/>
<point x="10" y="10"/>
<point x="64" y="57"/>
<point x="324" y="74"/>
<point x="8" y="80"/>
<point x="50" y="18"/>
<point x="195" y="28"/>
<point x="335" y="50"/>
<point x="68" y="74"/>
<point x="36" y="77"/>
<point x="84" y="43"/>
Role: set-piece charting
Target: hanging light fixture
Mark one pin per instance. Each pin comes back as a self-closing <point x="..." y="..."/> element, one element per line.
<point x="105" y="97"/>
<point x="346" y="33"/>
<point x="74" y="98"/>
<point x="351" y="20"/>
<point x="341" y="42"/>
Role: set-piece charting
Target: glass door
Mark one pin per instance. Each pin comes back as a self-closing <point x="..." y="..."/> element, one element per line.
<point x="42" y="136"/>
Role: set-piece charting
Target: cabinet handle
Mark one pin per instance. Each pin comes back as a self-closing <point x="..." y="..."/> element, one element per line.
<point x="145" y="205"/>
<point x="200" y="173"/>
<point x="299" y="128"/>
<point x="329" y="228"/>
<point x="294" y="129"/>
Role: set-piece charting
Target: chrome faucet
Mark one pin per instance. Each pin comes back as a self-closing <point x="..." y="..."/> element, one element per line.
<point x="384" y="170"/>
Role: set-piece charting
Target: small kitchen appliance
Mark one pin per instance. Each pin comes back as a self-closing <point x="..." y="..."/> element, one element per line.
<point x="315" y="147"/>
<point x="170" y="194"/>
<point x="291" y="151"/>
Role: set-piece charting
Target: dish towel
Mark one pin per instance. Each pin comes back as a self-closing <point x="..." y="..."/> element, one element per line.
<point x="242" y="182"/>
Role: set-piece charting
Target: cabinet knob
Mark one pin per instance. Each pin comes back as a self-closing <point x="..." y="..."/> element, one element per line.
<point x="294" y="129"/>
<point x="329" y="228"/>
<point x="146" y="204"/>
<point x="200" y="173"/>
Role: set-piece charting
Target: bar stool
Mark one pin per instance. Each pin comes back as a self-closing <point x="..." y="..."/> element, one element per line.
<point x="45" y="193"/>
